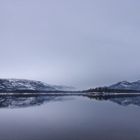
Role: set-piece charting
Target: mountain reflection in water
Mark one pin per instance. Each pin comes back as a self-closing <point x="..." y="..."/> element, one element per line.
<point x="27" y="101"/>
<point x="23" y="101"/>
<point x="123" y="101"/>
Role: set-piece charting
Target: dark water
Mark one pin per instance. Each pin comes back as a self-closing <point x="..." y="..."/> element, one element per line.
<point x="69" y="118"/>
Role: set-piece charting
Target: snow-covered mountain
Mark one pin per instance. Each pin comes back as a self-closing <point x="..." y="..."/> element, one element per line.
<point x="22" y="84"/>
<point x="126" y="85"/>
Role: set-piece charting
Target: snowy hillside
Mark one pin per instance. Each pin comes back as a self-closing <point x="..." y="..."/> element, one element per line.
<point x="126" y="85"/>
<point x="21" y="84"/>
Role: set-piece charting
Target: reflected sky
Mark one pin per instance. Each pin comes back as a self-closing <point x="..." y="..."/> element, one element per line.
<point x="81" y="118"/>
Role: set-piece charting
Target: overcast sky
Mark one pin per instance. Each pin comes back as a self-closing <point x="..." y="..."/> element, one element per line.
<point x="82" y="43"/>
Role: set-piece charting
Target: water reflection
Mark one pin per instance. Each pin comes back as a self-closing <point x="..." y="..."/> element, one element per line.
<point x="123" y="101"/>
<point x="127" y="101"/>
<point x="79" y="118"/>
<point x="26" y="101"/>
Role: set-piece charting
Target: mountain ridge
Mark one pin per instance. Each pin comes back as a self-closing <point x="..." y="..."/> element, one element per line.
<point x="8" y="85"/>
<point x="126" y="85"/>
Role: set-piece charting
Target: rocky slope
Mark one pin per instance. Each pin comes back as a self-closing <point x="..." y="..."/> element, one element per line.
<point x="126" y="85"/>
<point x="11" y="85"/>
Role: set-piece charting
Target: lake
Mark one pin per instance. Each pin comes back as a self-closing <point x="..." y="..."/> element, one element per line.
<point x="69" y="118"/>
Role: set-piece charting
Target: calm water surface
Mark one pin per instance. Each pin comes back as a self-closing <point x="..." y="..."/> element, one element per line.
<point x="69" y="118"/>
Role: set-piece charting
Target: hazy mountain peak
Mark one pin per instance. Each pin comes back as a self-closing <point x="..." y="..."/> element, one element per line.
<point x="138" y="81"/>
<point x="24" y="84"/>
<point x="126" y="85"/>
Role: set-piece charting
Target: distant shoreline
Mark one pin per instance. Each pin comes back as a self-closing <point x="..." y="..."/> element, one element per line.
<point x="84" y="94"/>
